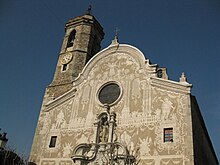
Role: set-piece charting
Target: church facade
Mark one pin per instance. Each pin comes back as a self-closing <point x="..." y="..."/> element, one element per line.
<point x="114" y="107"/>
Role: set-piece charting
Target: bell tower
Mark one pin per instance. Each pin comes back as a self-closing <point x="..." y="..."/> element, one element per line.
<point x="82" y="40"/>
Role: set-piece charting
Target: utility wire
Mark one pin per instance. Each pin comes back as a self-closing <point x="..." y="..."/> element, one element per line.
<point x="52" y="13"/>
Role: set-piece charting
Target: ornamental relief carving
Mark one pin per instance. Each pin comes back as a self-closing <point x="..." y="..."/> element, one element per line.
<point x="177" y="161"/>
<point x="169" y="108"/>
<point x="48" y="162"/>
<point x="117" y="66"/>
<point x="66" y="141"/>
<point x="138" y="140"/>
<point x="167" y="111"/>
<point x="142" y="112"/>
<point x="147" y="162"/>
<point x="70" y="162"/>
<point x="133" y="108"/>
<point x="163" y="161"/>
<point x="120" y="68"/>
<point x="56" y="118"/>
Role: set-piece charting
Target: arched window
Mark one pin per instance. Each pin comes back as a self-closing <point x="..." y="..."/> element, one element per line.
<point x="71" y="39"/>
<point x="64" y="67"/>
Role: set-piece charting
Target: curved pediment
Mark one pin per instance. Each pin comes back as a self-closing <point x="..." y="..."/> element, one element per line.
<point x="120" y="55"/>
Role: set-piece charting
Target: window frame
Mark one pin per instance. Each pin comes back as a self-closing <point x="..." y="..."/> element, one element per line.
<point x="53" y="141"/>
<point x="168" y="135"/>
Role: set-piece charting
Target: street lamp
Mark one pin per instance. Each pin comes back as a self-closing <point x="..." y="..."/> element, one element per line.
<point x="3" y="140"/>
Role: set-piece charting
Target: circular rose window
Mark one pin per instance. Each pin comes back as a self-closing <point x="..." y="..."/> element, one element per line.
<point x="109" y="93"/>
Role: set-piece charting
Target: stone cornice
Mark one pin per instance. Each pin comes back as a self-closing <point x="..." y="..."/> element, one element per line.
<point x="171" y="85"/>
<point x="61" y="99"/>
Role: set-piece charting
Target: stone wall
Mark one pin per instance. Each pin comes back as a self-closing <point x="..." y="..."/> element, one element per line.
<point x="204" y="153"/>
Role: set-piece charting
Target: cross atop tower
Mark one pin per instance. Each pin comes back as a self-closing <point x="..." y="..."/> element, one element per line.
<point x="115" y="40"/>
<point x="89" y="10"/>
<point x="116" y="32"/>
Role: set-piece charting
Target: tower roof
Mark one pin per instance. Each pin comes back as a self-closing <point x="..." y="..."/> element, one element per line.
<point x="87" y="18"/>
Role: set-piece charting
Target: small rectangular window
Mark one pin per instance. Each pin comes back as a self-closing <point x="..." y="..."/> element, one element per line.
<point x="168" y="134"/>
<point x="53" y="141"/>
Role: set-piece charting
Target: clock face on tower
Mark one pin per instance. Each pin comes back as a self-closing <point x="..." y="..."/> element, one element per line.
<point x="66" y="58"/>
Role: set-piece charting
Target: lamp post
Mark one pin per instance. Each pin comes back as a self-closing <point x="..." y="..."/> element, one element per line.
<point x="3" y="140"/>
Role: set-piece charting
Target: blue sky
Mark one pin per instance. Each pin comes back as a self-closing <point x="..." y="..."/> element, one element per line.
<point x="183" y="36"/>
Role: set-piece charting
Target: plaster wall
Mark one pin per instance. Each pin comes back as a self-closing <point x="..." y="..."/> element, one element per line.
<point x="146" y="106"/>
